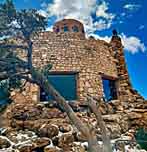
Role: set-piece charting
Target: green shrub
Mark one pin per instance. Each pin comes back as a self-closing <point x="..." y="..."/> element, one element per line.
<point x="141" y="138"/>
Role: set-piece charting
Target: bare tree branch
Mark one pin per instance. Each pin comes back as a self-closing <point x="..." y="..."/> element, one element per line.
<point x="4" y="75"/>
<point x="6" y="46"/>
<point x="106" y="140"/>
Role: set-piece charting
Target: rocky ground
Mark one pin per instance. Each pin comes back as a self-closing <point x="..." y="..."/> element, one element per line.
<point x="44" y="128"/>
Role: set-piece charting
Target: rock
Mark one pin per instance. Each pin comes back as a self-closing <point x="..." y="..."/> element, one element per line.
<point x="112" y="118"/>
<point x="25" y="148"/>
<point x="114" y="129"/>
<point x="18" y="124"/>
<point x="134" y="115"/>
<point x="48" y="130"/>
<point x="79" y="137"/>
<point x="78" y="148"/>
<point x="21" y="136"/>
<point x="41" y="142"/>
<point x="49" y="113"/>
<point x="52" y="149"/>
<point x="120" y="146"/>
<point x="4" y="143"/>
<point x="124" y="125"/>
<point x="65" y="128"/>
<point x="65" y="140"/>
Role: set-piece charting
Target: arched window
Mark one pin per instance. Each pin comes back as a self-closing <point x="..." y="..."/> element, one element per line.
<point x="57" y="29"/>
<point x="75" y="28"/>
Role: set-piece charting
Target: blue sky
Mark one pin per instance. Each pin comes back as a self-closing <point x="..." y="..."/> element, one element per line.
<point x="99" y="18"/>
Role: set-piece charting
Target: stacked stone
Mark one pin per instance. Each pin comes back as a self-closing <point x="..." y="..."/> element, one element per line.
<point x="70" y="52"/>
<point x="126" y="91"/>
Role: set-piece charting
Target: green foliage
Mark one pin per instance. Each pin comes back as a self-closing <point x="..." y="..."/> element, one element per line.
<point x="30" y="22"/>
<point x="23" y="22"/>
<point x="141" y="138"/>
<point x="7" y="15"/>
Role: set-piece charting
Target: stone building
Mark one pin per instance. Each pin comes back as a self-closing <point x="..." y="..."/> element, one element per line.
<point x="80" y="66"/>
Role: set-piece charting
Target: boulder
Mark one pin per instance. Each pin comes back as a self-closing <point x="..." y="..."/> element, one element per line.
<point x="4" y="143"/>
<point x="114" y="130"/>
<point x="41" y="142"/>
<point x="134" y="115"/>
<point x="25" y="148"/>
<point x="48" y="130"/>
<point x="79" y="137"/>
<point x="112" y="118"/>
<point x="52" y="149"/>
<point x="65" y="140"/>
<point x="65" y="128"/>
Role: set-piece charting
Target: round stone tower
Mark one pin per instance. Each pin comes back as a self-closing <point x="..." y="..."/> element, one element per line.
<point x="69" y="25"/>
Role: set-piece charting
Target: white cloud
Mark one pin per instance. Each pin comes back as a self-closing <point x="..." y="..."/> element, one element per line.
<point x="82" y="10"/>
<point x="102" y="24"/>
<point x="132" y="7"/>
<point x="105" y="38"/>
<point x="131" y="44"/>
<point x="102" y="11"/>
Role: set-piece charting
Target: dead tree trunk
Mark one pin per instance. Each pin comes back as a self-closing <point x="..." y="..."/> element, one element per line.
<point x="106" y="140"/>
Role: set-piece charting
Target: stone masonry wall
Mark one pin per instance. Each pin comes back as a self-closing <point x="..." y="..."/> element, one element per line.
<point x="69" y="52"/>
<point x="125" y="89"/>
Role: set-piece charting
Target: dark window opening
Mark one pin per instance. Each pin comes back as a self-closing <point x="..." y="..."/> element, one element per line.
<point x="110" y="91"/>
<point x="75" y="29"/>
<point x="66" y="29"/>
<point x="65" y="84"/>
<point x="57" y="30"/>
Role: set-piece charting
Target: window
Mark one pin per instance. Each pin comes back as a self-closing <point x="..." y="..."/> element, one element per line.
<point x="65" y="29"/>
<point x="64" y="83"/>
<point x="57" y="30"/>
<point x="109" y="87"/>
<point x="75" y="29"/>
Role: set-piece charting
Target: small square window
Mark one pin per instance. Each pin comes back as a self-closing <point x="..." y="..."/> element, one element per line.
<point x="57" y="30"/>
<point x="109" y="87"/>
<point x="66" y="29"/>
<point x="75" y="29"/>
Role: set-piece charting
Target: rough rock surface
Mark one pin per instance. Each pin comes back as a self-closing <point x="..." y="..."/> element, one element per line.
<point x="54" y="133"/>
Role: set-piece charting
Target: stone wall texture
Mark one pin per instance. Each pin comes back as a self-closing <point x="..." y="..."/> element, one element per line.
<point x="89" y="58"/>
<point x="70" y="53"/>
